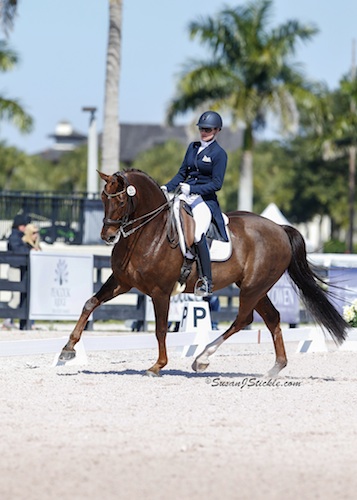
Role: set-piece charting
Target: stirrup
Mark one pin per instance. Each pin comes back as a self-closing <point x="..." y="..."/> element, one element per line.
<point x="203" y="287"/>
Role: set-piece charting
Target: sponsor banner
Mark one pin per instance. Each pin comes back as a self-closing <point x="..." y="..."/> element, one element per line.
<point x="177" y="304"/>
<point x="285" y="300"/>
<point x="343" y="287"/>
<point x="60" y="283"/>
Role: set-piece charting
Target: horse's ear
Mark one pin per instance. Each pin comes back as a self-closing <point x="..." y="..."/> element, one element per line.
<point x="105" y="177"/>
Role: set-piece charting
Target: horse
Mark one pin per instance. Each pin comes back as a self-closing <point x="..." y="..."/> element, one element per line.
<point x="137" y="221"/>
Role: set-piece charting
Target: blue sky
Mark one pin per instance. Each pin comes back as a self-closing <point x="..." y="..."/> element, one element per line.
<point x="62" y="45"/>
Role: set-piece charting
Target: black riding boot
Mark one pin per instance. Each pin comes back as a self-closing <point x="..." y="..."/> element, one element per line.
<point x="204" y="285"/>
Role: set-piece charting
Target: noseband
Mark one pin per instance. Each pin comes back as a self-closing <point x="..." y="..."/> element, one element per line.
<point x="124" y="221"/>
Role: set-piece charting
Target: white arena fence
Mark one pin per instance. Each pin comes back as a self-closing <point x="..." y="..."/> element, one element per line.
<point x="308" y="339"/>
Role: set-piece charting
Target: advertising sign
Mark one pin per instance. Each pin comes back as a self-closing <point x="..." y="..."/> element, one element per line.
<point x="343" y="286"/>
<point x="176" y="306"/>
<point x="60" y="283"/>
<point x="285" y="300"/>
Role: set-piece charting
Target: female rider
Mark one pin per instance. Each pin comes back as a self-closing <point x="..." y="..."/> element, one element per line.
<point x="200" y="177"/>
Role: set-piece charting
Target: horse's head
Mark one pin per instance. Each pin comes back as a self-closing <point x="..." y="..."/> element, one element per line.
<point x="117" y="197"/>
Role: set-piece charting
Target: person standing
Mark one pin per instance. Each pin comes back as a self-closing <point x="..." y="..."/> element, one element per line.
<point x="200" y="176"/>
<point x="16" y="244"/>
<point x="31" y="237"/>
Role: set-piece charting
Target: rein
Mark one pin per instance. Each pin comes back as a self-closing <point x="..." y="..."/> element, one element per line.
<point x="150" y="215"/>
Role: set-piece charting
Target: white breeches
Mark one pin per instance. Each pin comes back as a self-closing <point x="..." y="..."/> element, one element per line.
<point x="201" y="213"/>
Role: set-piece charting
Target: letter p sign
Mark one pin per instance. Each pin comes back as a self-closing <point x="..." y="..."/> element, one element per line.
<point x="198" y="314"/>
<point x="195" y="316"/>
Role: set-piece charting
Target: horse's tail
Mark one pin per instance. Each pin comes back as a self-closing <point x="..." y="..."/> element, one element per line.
<point x="315" y="298"/>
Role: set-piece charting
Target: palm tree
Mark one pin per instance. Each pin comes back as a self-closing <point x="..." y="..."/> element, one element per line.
<point x="248" y="76"/>
<point x="11" y="109"/>
<point x="111" y="131"/>
<point x="338" y="138"/>
<point x="7" y="14"/>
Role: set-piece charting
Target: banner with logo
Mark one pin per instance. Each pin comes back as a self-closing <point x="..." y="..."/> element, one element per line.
<point x="343" y="287"/>
<point x="60" y="284"/>
<point x="285" y="300"/>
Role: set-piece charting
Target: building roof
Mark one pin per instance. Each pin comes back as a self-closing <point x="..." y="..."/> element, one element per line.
<point x="136" y="138"/>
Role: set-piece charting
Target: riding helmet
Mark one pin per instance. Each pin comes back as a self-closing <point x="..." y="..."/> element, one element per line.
<point x="210" y="119"/>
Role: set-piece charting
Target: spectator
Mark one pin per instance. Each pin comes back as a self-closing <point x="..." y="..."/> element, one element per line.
<point x="17" y="245"/>
<point x="31" y="237"/>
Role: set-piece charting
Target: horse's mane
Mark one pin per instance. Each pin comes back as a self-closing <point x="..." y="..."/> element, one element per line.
<point x="136" y="170"/>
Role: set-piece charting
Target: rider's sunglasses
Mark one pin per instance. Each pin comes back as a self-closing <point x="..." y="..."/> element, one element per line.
<point x="203" y="129"/>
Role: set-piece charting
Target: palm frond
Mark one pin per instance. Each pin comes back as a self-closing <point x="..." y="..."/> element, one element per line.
<point x="12" y="111"/>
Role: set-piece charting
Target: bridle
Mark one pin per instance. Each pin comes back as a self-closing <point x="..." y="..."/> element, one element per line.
<point x="130" y="191"/>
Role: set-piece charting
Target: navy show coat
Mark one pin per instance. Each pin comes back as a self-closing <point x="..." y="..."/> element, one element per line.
<point x="204" y="172"/>
<point x="15" y="243"/>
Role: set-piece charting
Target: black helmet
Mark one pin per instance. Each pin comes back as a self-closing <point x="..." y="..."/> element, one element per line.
<point x="210" y="119"/>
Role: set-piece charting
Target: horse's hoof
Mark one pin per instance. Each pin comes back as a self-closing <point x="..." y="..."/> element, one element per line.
<point x="67" y="355"/>
<point x="273" y="372"/>
<point x="150" y="373"/>
<point x="199" y="366"/>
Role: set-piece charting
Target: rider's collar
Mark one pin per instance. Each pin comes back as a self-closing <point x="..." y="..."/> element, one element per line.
<point x="204" y="144"/>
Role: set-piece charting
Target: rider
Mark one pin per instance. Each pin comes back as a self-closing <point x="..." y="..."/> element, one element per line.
<point x="200" y="177"/>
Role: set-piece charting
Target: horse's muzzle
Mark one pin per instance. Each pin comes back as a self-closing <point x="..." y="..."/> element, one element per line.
<point x="110" y="235"/>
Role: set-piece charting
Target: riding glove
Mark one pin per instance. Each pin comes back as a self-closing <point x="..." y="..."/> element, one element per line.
<point x="185" y="188"/>
<point x="165" y="191"/>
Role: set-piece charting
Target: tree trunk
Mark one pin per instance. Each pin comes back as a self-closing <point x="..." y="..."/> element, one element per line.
<point x="245" y="190"/>
<point x="111" y="129"/>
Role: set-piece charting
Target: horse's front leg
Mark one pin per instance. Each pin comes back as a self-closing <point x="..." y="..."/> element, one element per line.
<point x="161" y="308"/>
<point x="109" y="290"/>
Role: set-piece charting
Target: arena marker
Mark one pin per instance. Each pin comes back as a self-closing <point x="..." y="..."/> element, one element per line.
<point x="315" y="343"/>
<point x="79" y="360"/>
<point x="196" y="317"/>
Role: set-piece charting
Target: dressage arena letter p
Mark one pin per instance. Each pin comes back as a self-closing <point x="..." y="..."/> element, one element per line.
<point x="195" y="316"/>
<point x="198" y="313"/>
<point x="196" y="319"/>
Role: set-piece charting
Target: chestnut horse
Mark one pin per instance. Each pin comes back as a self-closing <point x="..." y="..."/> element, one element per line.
<point x="137" y="216"/>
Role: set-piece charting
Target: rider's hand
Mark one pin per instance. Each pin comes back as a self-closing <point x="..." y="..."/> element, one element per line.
<point x="185" y="188"/>
<point x="165" y="191"/>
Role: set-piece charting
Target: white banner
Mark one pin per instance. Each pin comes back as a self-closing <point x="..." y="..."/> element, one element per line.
<point x="60" y="283"/>
<point x="176" y="306"/>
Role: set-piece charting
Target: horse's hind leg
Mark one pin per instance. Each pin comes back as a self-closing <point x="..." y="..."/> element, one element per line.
<point x="109" y="290"/>
<point x="243" y="319"/>
<point x="271" y="318"/>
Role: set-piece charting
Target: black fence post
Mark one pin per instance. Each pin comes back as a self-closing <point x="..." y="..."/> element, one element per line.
<point x="27" y="275"/>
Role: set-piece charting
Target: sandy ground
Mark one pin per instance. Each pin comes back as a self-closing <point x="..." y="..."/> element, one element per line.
<point x="105" y="431"/>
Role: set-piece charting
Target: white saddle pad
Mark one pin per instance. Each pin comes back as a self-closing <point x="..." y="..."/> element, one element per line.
<point x="219" y="251"/>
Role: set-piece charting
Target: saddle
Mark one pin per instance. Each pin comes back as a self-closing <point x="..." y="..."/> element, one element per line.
<point x="219" y="249"/>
